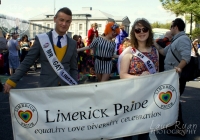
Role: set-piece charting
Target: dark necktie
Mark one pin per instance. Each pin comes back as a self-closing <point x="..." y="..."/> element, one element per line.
<point x="59" y="43"/>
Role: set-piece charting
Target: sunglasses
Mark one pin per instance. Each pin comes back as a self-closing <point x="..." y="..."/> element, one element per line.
<point x="144" y="30"/>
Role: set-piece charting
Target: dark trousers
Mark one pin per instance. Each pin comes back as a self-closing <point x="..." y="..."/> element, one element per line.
<point x="144" y="136"/>
<point x="182" y="84"/>
<point x="6" y="63"/>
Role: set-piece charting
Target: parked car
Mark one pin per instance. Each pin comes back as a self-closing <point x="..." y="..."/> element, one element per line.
<point x="159" y="33"/>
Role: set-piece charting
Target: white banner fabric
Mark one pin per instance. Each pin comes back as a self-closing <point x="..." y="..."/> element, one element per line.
<point x="104" y="110"/>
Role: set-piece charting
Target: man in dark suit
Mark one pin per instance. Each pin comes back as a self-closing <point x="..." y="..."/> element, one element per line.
<point x="64" y="48"/>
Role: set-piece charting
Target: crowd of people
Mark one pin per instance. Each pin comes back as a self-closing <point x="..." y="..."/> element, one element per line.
<point x="96" y="56"/>
<point x="87" y="57"/>
<point x="14" y="53"/>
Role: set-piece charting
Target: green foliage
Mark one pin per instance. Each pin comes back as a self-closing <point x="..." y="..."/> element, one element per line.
<point x="187" y="8"/>
<point x="161" y="25"/>
<point x="196" y="33"/>
<point x="181" y="7"/>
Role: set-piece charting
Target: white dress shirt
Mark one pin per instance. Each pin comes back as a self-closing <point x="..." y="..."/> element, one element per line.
<point x="63" y="40"/>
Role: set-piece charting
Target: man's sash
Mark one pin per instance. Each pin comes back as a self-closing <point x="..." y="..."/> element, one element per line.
<point x="53" y="60"/>
<point x="148" y="63"/>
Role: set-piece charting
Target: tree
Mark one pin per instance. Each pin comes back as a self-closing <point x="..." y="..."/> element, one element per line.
<point x="155" y="25"/>
<point x="160" y="25"/>
<point x="196" y="33"/>
<point x="189" y="8"/>
<point x="181" y="7"/>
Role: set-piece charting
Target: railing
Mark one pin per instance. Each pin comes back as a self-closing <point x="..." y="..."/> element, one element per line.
<point x="11" y="25"/>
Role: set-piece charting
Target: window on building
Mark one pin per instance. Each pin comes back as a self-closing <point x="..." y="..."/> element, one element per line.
<point x="72" y="34"/>
<point x="40" y="27"/>
<point x="48" y="25"/>
<point x="80" y="33"/>
<point x="34" y="34"/>
<point x="99" y="27"/>
<point x="80" y="26"/>
<point x="72" y="27"/>
<point x="34" y="27"/>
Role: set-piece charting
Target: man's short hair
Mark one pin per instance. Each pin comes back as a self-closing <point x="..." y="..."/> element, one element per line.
<point x="179" y="23"/>
<point x="65" y="10"/>
<point x="12" y="34"/>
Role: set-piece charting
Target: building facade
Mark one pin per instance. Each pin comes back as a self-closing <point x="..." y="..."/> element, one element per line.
<point x="81" y="22"/>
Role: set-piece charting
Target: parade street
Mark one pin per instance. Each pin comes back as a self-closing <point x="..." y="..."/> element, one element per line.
<point x="190" y="105"/>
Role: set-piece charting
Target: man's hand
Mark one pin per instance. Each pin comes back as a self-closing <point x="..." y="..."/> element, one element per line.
<point x="178" y="69"/>
<point x="158" y="47"/>
<point x="7" y="88"/>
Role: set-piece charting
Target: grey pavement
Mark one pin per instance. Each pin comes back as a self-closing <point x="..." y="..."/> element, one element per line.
<point x="190" y="101"/>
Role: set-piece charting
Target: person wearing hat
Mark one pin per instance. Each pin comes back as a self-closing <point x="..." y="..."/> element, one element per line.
<point x="120" y="38"/>
<point x="106" y="47"/>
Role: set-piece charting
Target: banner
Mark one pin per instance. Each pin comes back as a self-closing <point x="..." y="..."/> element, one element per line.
<point x="103" y="110"/>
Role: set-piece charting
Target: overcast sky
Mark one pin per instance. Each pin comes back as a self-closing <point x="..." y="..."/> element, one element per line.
<point x="150" y="9"/>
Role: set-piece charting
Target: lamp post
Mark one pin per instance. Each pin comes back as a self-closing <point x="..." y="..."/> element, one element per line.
<point x="191" y="24"/>
<point x="191" y="21"/>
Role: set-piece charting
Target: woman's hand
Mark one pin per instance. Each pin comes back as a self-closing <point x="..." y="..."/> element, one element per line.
<point x="145" y="73"/>
<point x="83" y="49"/>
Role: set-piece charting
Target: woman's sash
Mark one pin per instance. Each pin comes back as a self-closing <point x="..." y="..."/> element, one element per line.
<point x="148" y="63"/>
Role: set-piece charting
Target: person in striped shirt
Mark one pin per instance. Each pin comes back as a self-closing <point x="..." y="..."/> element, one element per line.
<point x="105" y="47"/>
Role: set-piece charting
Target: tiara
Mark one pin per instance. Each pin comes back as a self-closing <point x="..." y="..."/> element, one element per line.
<point x="139" y="19"/>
